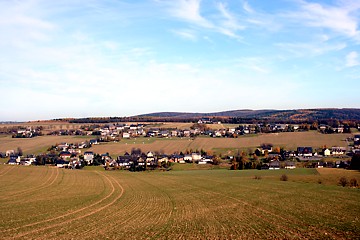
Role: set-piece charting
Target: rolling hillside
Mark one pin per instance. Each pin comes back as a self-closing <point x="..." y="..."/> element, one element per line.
<point x="297" y="114"/>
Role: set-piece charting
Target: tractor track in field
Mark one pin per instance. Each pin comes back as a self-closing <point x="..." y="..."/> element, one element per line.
<point x="130" y="214"/>
<point x="93" y="211"/>
<point x="49" y="182"/>
<point x="7" y="169"/>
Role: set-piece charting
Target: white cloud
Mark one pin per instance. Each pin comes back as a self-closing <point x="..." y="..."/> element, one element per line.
<point x="310" y="49"/>
<point x="247" y="7"/>
<point x="186" y="34"/>
<point x="223" y="22"/>
<point x="339" y="19"/>
<point x="189" y="10"/>
<point x="352" y="59"/>
<point x="255" y="64"/>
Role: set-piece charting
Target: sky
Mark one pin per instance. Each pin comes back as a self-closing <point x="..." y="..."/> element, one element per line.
<point x="98" y="58"/>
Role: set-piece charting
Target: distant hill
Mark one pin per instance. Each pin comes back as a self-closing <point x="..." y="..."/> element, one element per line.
<point x="296" y="114"/>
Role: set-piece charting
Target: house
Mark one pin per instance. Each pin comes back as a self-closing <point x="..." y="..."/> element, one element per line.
<point x="266" y="147"/>
<point x="196" y="156"/>
<point x="322" y="127"/>
<point x="305" y="151"/>
<point x="163" y="158"/>
<point x="93" y="142"/>
<point x="14" y="160"/>
<point x="290" y="165"/>
<point x="218" y="134"/>
<point x="164" y="133"/>
<point x="178" y="158"/>
<point x="265" y="166"/>
<point x="357" y="140"/>
<point x="63" y="146"/>
<point x="208" y="159"/>
<point x="188" y="158"/>
<point x="186" y="133"/>
<point x="326" y="152"/>
<point x="150" y="157"/>
<point x="61" y="163"/>
<point x="88" y="157"/>
<point x="274" y="165"/>
<point x="125" y="161"/>
<point x="281" y="127"/>
<point x="320" y="165"/>
<point x="65" y="155"/>
<point x="9" y="153"/>
<point x="133" y="127"/>
<point x="339" y="129"/>
<point x="338" y="150"/>
<point x="126" y="135"/>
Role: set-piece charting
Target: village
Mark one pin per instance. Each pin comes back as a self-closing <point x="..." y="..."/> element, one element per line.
<point x="265" y="156"/>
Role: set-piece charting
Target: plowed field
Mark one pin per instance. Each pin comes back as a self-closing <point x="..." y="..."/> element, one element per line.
<point x="51" y="203"/>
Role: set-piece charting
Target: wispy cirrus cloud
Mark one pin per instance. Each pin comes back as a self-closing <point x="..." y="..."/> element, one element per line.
<point x="185" y="34"/>
<point x="189" y="10"/>
<point x="247" y="7"/>
<point x="310" y="49"/>
<point x="222" y="21"/>
<point x="254" y="64"/>
<point x="342" y="19"/>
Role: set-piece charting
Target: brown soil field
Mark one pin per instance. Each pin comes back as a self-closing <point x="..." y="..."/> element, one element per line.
<point x="288" y="140"/>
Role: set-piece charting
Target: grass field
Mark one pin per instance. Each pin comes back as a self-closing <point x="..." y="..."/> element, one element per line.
<point x="37" y="145"/>
<point x="51" y="203"/>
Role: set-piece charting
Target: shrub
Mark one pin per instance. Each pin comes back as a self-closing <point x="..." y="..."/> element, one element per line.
<point x="284" y="177"/>
<point x="257" y="177"/>
<point x="353" y="182"/>
<point x="343" y="181"/>
<point x="319" y="181"/>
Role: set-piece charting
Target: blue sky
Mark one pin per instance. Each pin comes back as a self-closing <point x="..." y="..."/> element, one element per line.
<point x="121" y="58"/>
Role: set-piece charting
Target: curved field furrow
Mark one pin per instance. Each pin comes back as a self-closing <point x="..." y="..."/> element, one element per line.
<point x="214" y="204"/>
<point x="143" y="211"/>
<point x="93" y="209"/>
<point x="5" y="170"/>
<point x="51" y="195"/>
<point x="48" y="183"/>
<point x="21" y="178"/>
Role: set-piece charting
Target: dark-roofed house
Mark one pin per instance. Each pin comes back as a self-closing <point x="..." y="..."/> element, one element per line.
<point x="65" y="155"/>
<point x="274" y="165"/>
<point x="290" y="165"/>
<point x="305" y="151"/>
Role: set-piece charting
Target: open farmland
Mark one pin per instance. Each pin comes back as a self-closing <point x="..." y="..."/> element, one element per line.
<point x="290" y="141"/>
<point x="49" y="203"/>
<point x="37" y="145"/>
